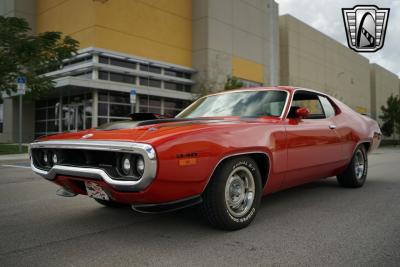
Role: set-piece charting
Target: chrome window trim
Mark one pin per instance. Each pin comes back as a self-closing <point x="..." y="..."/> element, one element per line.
<point x="146" y="150"/>
<point x="295" y="89"/>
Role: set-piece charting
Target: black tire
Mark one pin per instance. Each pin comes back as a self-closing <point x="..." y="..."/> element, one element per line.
<point x="110" y="203"/>
<point x="215" y="208"/>
<point x="351" y="177"/>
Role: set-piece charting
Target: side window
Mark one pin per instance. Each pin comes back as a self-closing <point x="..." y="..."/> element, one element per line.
<point x="328" y="108"/>
<point x="310" y="101"/>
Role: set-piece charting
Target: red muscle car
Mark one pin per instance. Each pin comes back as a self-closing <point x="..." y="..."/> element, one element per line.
<point x="223" y="153"/>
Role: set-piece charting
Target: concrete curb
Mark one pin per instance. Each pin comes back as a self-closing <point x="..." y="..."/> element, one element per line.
<point x="14" y="157"/>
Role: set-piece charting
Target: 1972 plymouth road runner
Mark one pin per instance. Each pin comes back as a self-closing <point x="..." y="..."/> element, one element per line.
<point x="223" y="153"/>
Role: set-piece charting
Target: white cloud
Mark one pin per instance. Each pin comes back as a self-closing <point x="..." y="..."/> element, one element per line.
<point x="326" y="16"/>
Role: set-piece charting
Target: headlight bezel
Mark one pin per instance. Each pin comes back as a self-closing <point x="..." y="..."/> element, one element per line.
<point x="135" y="171"/>
<point x="77" y="154"/>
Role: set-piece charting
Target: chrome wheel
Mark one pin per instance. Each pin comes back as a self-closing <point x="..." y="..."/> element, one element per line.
<point x="239" y="191"/>
<point x="359" y="164"/>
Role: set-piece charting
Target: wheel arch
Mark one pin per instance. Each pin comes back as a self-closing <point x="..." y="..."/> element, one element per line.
<point x="258" y="156"/>
<point x="365" y="143"/>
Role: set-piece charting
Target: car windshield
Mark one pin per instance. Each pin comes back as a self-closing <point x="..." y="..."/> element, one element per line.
<point x="241" y="103"/>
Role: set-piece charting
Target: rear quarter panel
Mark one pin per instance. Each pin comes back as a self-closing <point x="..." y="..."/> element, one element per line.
<point x="355" y="128"/>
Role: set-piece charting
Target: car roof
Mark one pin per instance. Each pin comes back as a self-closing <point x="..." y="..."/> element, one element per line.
<point x="289" y="89"/>
<point x="261" y="88"/>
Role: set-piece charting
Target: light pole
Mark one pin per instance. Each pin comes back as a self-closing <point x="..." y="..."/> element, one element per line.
<point x="21" y="89"/>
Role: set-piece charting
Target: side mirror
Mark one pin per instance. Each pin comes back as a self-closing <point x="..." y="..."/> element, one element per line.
<point x="302" y="113"/>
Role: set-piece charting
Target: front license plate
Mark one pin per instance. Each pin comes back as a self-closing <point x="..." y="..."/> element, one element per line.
<point x="95" y="191"/>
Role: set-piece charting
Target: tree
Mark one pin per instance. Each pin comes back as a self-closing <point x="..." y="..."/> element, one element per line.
<point x="397" y="128"/>
<point x="23" y="54"/>
<point x="391" y="116"/>
<point x="233" y="83"/>
<point x="387" y="128"/>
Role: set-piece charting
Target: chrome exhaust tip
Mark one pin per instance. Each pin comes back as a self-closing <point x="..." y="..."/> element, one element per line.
<point x="64" y="192"/>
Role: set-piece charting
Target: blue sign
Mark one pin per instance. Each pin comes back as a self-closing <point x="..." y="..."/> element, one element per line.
<point x="133" y="96"/>
<point x="21" y="79"/>
<point x="21" y="85"/>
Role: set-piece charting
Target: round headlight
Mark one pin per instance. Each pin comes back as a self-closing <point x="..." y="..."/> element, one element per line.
<point x="140" y="165"/>
<point x="55" y="159"/>
<point x="45" y="158"/>
<point x="126" y="164"/>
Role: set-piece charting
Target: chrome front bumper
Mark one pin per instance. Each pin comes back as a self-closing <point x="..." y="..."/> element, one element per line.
<point x="147" y="151"/>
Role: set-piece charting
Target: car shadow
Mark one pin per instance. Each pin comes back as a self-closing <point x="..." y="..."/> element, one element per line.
<point x="273" y="205"/>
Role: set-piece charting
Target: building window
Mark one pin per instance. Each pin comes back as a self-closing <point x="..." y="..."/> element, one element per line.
<point x="173" y="86"/>
<point x="149" y="68"/>
<point x="117" y="110"/>
<point x="104" y="60"/>
<point x="178" y="74"/>
<point x="153" y="104"/>
<point x="150" y="104"/>
<point x="116" y="97"/>
<point x="150" y="82"/>
<point x="103" y="109"/>
<point x="113" y="106"/>
<point x="117" y="77"/>
<point x="103" y="96"/>
<point x="117" y="62"/>
<point x="177" y="86"/>
<point x="103" y="75"/>
<point x="173" y="106"/>
<point x="122" y="78"/>
<point x="73" y="113"/>
<point x="122" y="63"/>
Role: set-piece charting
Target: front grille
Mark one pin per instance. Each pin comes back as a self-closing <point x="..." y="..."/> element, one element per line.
<point x="105" y="160"/>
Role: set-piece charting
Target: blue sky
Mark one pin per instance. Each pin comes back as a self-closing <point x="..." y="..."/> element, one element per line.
<point x="326" y="16"/>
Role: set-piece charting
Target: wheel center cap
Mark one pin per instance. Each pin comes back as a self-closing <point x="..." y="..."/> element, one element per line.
<point x="237" y="190"/>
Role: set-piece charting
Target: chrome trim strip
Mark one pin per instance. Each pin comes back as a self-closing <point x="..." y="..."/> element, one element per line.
<point x="146" y="150"/>
<point x="121" y="146"/>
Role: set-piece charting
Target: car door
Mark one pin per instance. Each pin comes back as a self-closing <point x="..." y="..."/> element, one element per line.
<point x="313" y="145"/>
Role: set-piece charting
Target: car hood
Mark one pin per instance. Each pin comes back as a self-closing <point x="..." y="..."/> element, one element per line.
<point x="156" y="132"/>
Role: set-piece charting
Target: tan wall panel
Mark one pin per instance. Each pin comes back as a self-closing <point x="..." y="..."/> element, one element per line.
<point x="105" y="38"/>
<point x="247" y="69"/>
<point x="239" y="32"/>
<point x="385" y="84"/>
<point x="142" y="20"/>
<point x="68" y="17"/>
<point x="155" y="29"/>
<point x="313" y="60"/>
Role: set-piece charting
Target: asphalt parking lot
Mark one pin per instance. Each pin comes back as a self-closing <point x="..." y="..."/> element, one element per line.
<point x="319" y="224"/>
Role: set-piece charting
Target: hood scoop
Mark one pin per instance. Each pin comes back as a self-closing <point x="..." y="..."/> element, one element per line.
<point x="143" y="116"/>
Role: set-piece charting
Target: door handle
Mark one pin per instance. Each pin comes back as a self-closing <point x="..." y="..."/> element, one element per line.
<point x="332" y="126"/>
